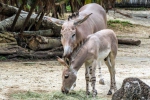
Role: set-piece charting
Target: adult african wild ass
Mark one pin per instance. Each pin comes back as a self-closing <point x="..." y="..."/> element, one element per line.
<point x="105" y="48"/>
<point x="90" y="19"/>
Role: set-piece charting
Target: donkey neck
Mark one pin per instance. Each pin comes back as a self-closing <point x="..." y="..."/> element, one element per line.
<point x="79" y="57"/>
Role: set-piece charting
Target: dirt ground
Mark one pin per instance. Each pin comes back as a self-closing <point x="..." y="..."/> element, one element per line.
<point x="131" y="61"/>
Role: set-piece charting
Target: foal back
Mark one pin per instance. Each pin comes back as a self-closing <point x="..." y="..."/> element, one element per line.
<point x="104" y="41"/>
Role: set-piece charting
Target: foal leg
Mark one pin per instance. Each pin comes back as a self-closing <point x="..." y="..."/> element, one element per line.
<point x="101" y="79"/>
<point x="87" y="78"/>
<point x="93" y="79"/>
<point x="110" y="62"/>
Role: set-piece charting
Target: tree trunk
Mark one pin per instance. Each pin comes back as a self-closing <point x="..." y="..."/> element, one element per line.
<point x="17" y="15"/>
<point x="29" y="15"/>
<point x="39" y="21"/>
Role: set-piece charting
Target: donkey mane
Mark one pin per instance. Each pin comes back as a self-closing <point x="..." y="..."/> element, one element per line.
<point x="74" y="15"/>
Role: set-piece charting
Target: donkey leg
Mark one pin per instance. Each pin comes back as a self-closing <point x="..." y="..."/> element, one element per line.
<point x="101" y="79"/>
<point x="112" y="61"/>
<point x="110" y="64"/>
<point x="93" y="79"/>
<point x="87" y="78"/>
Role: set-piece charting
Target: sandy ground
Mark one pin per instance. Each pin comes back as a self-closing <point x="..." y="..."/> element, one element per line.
<point x="132" y="61"/>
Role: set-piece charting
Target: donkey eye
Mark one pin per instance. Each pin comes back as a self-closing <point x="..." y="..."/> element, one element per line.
<point x="66" y="76"/>
<point x="73" y="28"/>
<point x="73" y="35"/>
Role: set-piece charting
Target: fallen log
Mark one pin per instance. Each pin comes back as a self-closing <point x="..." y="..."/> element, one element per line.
<point x="47" y="23"/>
<point x="46" y="33"/>
<point x="12" y="50"/>
<point x="117" y="11"/>
<point x="38" y="55"/>
<point x="8" y="10"/>
<point x="129" y="42"/>
<point x="37" y="42"/>
<point x="7" y="37"/>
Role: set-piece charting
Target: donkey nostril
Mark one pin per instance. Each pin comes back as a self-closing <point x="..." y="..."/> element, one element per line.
<point x="67" y="92"/>
<point x="62" y="91"/>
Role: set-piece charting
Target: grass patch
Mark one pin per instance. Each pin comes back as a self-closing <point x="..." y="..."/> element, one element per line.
<point x="56" y="95"/>
<point x="123" y="23"/>
<point x="26" y="95"/>
<point x="118" y="25"/>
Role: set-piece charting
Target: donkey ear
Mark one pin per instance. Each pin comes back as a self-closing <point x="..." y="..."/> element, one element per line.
<point x="81" y="20"/>
<point x="61" y="61"/>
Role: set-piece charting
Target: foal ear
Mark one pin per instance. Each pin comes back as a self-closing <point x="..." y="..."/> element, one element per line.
<point x="61" y="61"/>
<point x="81" y="20"/>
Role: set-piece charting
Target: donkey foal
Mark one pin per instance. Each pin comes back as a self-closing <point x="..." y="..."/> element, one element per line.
<point x="99" y="46"/>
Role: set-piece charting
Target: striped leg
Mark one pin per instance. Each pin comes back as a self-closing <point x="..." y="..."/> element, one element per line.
<point x="87" y="77"/>
<point x="93" y="78"/>
<point x="101" y="79"/>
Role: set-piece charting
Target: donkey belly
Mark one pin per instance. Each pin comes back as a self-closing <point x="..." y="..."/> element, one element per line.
<point x="103" y="54"/>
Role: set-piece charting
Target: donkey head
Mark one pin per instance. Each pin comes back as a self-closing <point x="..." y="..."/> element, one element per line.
<point x="68" y="77"/>
<point x="69" y="33"/>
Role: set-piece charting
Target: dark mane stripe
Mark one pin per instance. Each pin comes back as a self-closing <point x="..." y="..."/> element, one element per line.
<point x="74" y="15"/>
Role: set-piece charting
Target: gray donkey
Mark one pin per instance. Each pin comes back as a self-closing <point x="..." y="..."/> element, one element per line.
<point x="100" y="46"/>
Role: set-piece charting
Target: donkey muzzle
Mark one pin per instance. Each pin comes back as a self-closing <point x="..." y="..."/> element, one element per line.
<point x="64" y="91"/>
<point x="67" y="51"/>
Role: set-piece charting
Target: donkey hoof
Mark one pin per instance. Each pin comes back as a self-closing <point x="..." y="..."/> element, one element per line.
<point x="101" y="81"/>
<point x="94" y="93"/>
<point x="87" y="93"/>
<point x="109" y="93"/>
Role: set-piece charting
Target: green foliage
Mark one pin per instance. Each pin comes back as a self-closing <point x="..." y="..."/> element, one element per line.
<point x="68" y="8"/>
<point x="2" y="58"/>
<point x="56" y="95"/>
<point x="28" y="6"/>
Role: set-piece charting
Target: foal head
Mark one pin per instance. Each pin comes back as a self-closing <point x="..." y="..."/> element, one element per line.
<point x="68" y="77"/>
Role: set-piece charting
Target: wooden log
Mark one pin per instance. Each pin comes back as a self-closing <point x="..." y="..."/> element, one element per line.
<point x="46" y="33"/>
<point x="8" y="10"/>
<point x="38" y="55"/>
<point x="12" y="50"/>
<point x="7" y="37"/>
<point x="129" y="42"/>
<point x="117" y="11"/>
<point x="37" y="42"/>
<point x="47" y="23"/>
